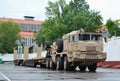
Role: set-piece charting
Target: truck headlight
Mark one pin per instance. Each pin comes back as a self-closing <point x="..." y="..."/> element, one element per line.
<point x="101" y="56"/>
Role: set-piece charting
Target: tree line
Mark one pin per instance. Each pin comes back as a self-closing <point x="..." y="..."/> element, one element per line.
<point x="62" y="18"/>
<point x="8" y="35"/>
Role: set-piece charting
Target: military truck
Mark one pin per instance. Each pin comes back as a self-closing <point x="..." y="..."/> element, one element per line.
<point x="77" y="48"/>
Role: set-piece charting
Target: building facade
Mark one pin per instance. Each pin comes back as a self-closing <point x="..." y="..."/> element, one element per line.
<point x="29" y="27"/>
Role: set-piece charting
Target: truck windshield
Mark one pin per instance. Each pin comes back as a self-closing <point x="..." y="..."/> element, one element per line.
<point x="90" y="37"/>
<point x="96" y="37"/>
<point x="84" y="37"/>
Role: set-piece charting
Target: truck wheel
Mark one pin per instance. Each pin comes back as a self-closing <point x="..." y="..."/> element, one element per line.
<point x="47" y="44"/>
<point x="53" y="66"/>
<point x="67" y="66"/>
<point x="82" y="68"/>
<point x="59" y="63"/>
<point x="59" y="43"/>
<point x="93" y="67"/>
<point x="48" y="62"/>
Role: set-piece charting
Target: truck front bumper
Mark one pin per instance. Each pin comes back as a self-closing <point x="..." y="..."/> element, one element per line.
<point x="91" y="56"/>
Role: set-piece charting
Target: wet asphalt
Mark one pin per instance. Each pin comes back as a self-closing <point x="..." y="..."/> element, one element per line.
<point x="9" y="72"/>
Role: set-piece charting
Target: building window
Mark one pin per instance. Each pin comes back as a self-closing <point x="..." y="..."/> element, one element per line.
<point x="29" y="27"/>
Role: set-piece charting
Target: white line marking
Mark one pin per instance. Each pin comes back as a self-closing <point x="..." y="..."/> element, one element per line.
<point x="5" y="76"/>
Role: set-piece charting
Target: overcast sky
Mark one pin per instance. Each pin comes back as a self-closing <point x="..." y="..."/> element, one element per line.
<point x="36" y="8"/>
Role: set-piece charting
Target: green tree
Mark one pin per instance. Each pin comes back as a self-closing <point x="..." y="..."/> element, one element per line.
<point x="49" y="32"/>
<point x="8" y="34"/>
<point x="64" y="18"/>
<point x="83" y="17"/>
<point x="113" y="28"/>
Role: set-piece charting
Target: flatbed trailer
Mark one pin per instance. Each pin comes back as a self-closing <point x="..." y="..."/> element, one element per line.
<point x="32" y="62"/>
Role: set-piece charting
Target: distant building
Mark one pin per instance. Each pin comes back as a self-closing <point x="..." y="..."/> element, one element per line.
<point x="29" y="27"/>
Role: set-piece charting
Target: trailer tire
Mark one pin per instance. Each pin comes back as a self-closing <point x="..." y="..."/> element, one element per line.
<point x="42" y="66"/>
<point x="59" y="43"/>
<point x="34" y="64"/>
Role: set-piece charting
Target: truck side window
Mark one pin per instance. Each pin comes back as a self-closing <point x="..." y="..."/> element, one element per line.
<point x="75" y="38"/>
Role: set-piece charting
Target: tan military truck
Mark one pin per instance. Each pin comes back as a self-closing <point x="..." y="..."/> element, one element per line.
<point x="77" y="48"/>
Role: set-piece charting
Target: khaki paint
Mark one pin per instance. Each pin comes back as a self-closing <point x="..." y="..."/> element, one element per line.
<point x="39" y="52"/>
<point x="15" y="54"/>
<point x="26" y="50"/>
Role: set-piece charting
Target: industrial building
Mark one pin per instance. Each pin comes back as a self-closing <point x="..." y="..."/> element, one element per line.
<point x="29" y="27"/>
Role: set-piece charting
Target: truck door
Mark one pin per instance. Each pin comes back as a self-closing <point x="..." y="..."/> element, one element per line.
<point x="74" y="42"/>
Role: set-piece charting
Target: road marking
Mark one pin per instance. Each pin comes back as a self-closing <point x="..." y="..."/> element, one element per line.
<point x="5" y="76"/>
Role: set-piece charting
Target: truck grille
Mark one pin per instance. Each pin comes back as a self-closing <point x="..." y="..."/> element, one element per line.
<point x="91" y="57"/>
<point x="91" y="48"/>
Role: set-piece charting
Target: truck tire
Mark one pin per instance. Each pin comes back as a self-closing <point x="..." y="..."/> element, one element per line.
<point x="48" y="62"/>
<point x="82" y="68"/>
<point x="59" y="44"/>
<point x="53" y="66"/>
<point x="93" y="67"/>
<point x="67" y="66"/>
<point x="59" y="63"/>
<point x="47" y="44"/>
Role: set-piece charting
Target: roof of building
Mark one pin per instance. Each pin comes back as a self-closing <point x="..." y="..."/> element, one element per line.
<point x="22" y="21"/>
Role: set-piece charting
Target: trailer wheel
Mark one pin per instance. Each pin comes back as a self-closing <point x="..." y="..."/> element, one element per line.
<point x="82" y="68"/>
<point x="59" y="43"/>
<point x="42" y="66"/>
<point x="23" y="64"/>
<point x="34" y="64"/>
<point x="93" y="67"/>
